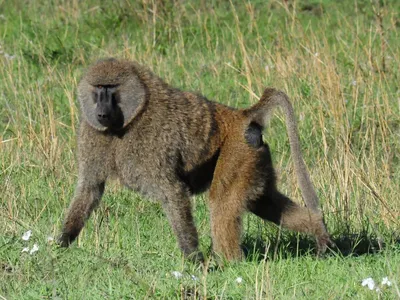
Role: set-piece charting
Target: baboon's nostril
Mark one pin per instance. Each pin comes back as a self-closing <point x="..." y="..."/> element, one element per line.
<point x="103" y="116"/>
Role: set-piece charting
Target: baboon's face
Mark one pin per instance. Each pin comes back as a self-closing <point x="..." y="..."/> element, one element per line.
<point x="107" y="112"/>
<point x="111" y="94"/>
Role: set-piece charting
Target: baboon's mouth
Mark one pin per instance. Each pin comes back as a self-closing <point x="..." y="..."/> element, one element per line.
<point x="114" y="122"/>
<point x="105" y="122"/>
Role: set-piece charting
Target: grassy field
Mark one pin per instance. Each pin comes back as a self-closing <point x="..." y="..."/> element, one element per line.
<point x="338" y="61"/>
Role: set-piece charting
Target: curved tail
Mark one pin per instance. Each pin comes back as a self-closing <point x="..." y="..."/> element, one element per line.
<point x="260" y="112"/>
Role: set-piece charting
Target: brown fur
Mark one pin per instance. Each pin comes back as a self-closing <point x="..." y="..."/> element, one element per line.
<point x="179" y="144"/>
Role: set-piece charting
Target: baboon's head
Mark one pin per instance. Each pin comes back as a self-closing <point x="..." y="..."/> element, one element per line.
<point x="111" y="94"/>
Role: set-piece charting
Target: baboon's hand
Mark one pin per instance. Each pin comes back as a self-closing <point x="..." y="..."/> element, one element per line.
<point x="323" y="242"/>
<point x="64" y="240"/>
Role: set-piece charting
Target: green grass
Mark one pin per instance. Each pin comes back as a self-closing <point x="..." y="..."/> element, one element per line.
<point x="338" y="61"/>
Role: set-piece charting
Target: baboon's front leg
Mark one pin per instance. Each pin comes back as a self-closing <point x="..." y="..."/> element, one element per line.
<point x="87" y="196"/>
<point x="178" y="210"/>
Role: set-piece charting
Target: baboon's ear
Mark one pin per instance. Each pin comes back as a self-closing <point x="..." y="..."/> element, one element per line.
<point x="88" y="104"/>
<point x="130" y="96"/>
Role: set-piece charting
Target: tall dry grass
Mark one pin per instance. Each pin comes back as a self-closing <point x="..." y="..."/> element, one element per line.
<point x="341" y="73"/>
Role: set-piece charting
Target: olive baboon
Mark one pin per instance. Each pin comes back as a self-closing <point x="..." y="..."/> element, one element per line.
<point x="169" y="145"/>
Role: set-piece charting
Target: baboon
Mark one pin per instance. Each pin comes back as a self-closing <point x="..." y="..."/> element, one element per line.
<point x="169" y="144"/>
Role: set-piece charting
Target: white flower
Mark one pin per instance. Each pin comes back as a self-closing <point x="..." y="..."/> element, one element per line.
<point x="26" y="249"/>
<point x="9" y="56"/>
<point x="194" y="278"/>
<point x="27" y="235"/>
<point x="354" y="83"/>
<point x="177" y="274"/>
<point x="50" y="239"/>
<point x="239" y="280"/>
<point x="34" y="249"/>
<point x="386" y="281"/>
<point x="368" y="282"/>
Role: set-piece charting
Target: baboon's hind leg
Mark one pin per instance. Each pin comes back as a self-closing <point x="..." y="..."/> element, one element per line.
<point x="226" y="226"/>
<point x="227" y="203"/>
<point x="277" y="208"/>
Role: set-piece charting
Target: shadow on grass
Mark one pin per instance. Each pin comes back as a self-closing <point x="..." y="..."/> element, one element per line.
<point x="292" y="245"/>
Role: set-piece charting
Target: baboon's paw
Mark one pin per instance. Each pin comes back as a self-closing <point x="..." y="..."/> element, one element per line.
<point x="323" y="242"/>
<point x="196" y="257"/>
<point x="64" y="240"/>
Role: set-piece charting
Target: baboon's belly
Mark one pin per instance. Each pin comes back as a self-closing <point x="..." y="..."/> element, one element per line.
<point x="143" y="172"/>
<point x="142" y="180"/>
<point x="144" y="186"/>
